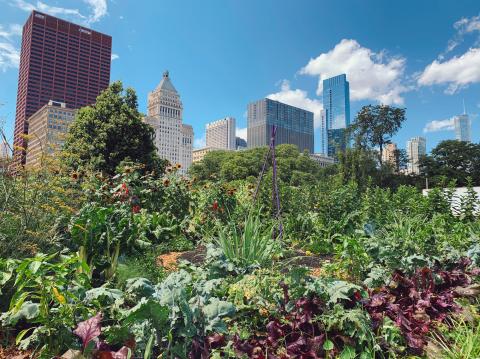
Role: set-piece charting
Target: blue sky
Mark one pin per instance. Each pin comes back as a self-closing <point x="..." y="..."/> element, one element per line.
<point x="222" y="54"/>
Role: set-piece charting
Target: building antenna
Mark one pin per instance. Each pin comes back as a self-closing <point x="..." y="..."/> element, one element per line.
<point x="464" y="109"/>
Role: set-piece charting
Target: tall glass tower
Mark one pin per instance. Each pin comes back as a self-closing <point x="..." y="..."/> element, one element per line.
<point x="293" y="125"/>
<point x="336" y="103"/>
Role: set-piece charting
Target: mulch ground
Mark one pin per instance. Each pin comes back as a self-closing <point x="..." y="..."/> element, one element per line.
<point x="13" y="353"/>
<point x="197" y="256"/>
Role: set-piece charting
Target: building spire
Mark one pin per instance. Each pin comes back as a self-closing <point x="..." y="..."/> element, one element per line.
<point x="165" y="74"/>
<point x="464" y="108"/>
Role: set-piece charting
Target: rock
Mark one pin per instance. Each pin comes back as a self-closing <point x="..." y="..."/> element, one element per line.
<point x="72" y="354"/>
<point x="472" y="290"/>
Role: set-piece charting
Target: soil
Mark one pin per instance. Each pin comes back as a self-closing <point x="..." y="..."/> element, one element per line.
<point x="197" y="256"/>
<point x="11" y="352"/>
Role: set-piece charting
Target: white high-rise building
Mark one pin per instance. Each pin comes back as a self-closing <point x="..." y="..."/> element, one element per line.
<point x="221" y="134"/>
<point x="462" y="128"/>
<point x="416" y="148"/>
<point x="4" y="150"/>
<point x="389" y="154"/>
<point x="173" y="139"/>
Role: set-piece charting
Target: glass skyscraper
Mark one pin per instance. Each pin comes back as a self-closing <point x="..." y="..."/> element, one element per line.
<point x="462" y="128"/>
<point x="336" y="103"/>
<point x="294" y="125"/>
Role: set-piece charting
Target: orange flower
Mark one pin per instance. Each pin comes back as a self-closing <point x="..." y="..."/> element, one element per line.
<point x="166" y="182"/>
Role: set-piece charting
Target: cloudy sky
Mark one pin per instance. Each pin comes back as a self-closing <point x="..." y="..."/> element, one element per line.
<point x="223" y="54"/>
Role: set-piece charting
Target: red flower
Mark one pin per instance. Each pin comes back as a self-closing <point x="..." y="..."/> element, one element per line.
<point x="136" y="208"/>
<point x="125" y="188"/>
<point x="215" y="205"/>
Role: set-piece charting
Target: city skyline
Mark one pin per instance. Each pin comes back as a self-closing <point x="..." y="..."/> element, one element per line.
<point x="423" y="73"/>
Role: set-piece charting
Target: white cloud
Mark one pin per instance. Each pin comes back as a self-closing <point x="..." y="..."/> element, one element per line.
<point x="199" y="142"/>
<point x="457" y="72"/>
<point x="98" y="10"/>
<point x="12" y="30"/>
<point x="462" y="27"/>
<point x="372" y="76"/>
<point x="439" y="125"/>
<point x="298" y="98"/>
<point x="241" y="132"/>
<point x="9" y="56"/>
<point x="115" y="56"/>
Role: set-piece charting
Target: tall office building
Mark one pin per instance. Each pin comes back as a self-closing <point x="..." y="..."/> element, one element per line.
<point x="59" y="61"/>
<point x="389" y="154"/>
<point x="47" y="131"/>
<point x="240" y="143"/>
<point x="336" y="103"/>
<point x="462" y="128"/>
<point x="221" y="134"/>
<point x="416" y="148"/>
<point x="294" y="125"/>
<point x="173" y="139"/>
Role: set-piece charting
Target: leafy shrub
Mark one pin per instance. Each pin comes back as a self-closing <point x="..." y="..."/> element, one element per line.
<point x="250" y="246"/>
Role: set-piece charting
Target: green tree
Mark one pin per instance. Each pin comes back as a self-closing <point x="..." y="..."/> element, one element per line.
<point x="452" y="160"/>
<point x="109" y="133"/>
<point x="293" y="166"/>
<point x="375" y="125"/>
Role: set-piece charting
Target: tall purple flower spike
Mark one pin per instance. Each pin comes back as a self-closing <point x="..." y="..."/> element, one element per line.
<point x="275" y="194"/>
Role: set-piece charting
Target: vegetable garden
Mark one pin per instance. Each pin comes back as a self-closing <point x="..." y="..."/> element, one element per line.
<point x="359" y="271"/>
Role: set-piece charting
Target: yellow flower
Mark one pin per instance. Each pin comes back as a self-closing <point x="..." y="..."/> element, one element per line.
<point x="61" y="299"/>
<point x="308" y="253"/>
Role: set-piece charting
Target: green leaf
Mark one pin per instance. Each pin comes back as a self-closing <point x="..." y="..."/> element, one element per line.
<point x="22" y="334"/>
<point x="27" y="311"/>
<point x="328" y="345"/>
<point x="147" y="309"/>
<point x="149" y="347"/>
<point x="347" y="353"/>
<point x="214" y="311"/>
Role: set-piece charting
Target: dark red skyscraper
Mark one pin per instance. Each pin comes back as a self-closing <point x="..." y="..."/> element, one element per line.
<point x="59" y="61"/>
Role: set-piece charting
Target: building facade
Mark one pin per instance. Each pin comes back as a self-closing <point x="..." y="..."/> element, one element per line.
<point x="240" y="143"/>
<point x="416" y="148"/>
<point x="48" y="129"/>
<point x="462" y="128"/>
<point x="199" y="154"/>
<point x="336" y="103"/>
<point x="389" y="154"/>
<point x="293" y="125"/>
<point x="5" y="156"/>
<point x="59" y="61"/>
<point x="322" y="159"/>
<point x="221" y="134"/>
<point x="173" y="139"/>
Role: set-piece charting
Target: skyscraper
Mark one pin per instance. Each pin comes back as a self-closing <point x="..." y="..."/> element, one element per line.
<point x="221" y="134"/>
<point x="294" y="125"/>
<point x="336" y="103"/>
<point x="240" y="143"/>
<point x="462" y="128"/>
<point x="389" y="154"/>
<point x="416" y="148"/>
<point x="173" y="139"/>
<point x="59" y="61"/>
<point x="47" y="129"/>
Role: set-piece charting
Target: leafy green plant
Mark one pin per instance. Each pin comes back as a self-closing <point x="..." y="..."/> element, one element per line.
<point x="250" y="246"/>
<point x="47" y="299"/>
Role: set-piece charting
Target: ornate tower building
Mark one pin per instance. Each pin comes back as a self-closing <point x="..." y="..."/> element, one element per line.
<point x="173" y="139"/>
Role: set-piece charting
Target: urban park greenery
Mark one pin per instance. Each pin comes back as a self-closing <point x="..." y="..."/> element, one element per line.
<point x="133" y="261"/>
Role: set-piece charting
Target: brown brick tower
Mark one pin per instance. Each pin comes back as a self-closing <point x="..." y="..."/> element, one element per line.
<point x="59" y="61"/>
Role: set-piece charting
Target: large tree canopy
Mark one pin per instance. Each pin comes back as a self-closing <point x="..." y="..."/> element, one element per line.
<point x="453" y="160"/>
<point x="375" y="125"/>
<point x="293" y="167"/>
<point x="110" y="132"/>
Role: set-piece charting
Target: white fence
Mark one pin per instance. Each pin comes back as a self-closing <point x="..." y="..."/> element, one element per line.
<point x="457" y="197"/>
